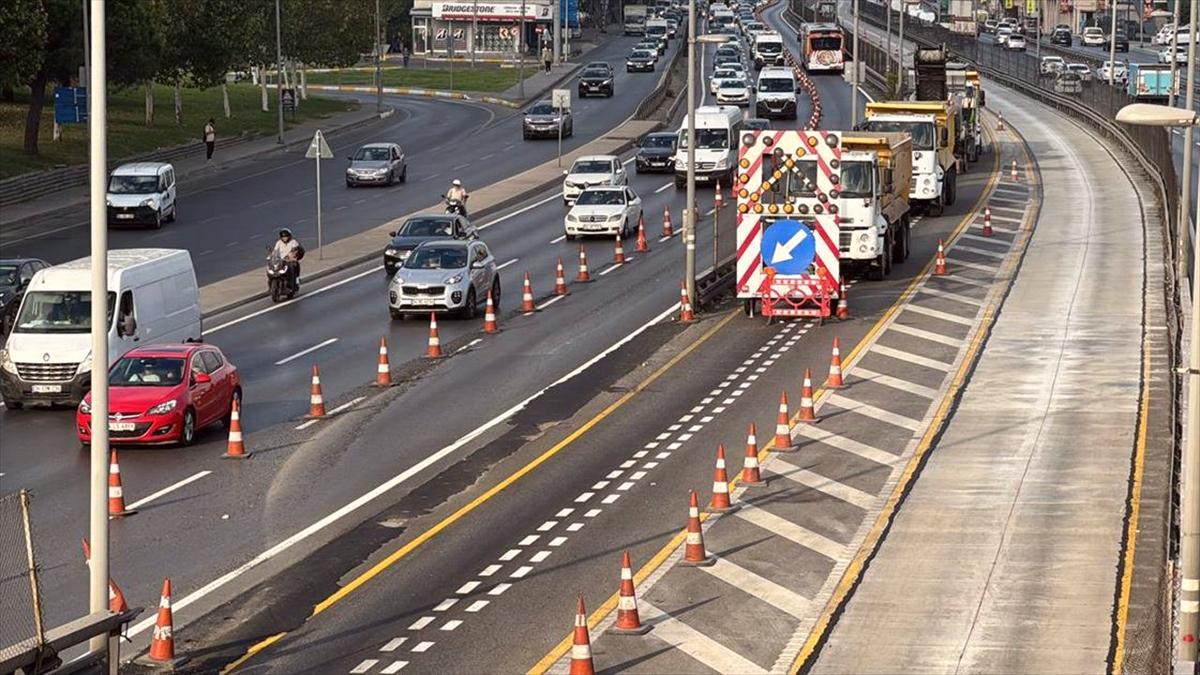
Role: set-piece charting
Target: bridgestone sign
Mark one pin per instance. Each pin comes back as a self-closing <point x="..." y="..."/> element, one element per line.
<point x="489" y="10"/>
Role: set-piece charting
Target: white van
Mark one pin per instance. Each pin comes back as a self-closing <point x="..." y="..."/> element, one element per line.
<point x="142" y="193"/>
<point x="776" y="94"/>
<point x="717" y="130"/>
<point x="768" y="50"/>
<point x="48" y="355"/>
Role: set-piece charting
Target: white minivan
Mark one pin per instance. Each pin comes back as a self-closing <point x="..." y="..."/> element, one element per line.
<point x="717" y="130"/>
<point x="153" y="298"/>
<point x="776" y="93"/>
<point x="142" y="193"/>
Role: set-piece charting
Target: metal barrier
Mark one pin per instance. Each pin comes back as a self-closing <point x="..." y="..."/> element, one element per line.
<point x="20" y="595"/>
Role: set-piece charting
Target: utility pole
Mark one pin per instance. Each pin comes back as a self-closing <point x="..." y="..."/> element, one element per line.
<point x="900" y="58"/>
<point x="474" y="29"/>
<point x="97" y="180"/>
<point x="1174" y="64"/>
<point x="689" y="223"/>
<point x="521" y="53"/>
<point x="888" y="5"/>
<point x="279" y="72"/>
<point x="1189" y="539"/>
<point x="556" y="15"/>
<point x="854" y="80"/>
<point x="1112" y="46"/>
<point x="378" y="64"/>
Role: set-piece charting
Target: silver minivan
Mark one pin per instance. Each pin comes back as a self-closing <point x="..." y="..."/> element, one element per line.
<point x="142" y="193"/>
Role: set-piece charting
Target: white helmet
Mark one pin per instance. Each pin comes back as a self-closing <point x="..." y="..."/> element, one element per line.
<point x="456" y="183"/>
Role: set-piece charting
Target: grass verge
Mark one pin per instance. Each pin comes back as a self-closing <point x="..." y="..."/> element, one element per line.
<point x="482" y="79"/>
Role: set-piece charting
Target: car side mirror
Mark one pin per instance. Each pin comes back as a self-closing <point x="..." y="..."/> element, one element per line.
<point x="477" y="265"/>
<point x="392" y="233"/>
<point x="566" y="173"/>
<point x="200" y="378"/>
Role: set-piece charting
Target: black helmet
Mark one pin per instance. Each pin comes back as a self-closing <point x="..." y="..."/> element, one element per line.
<point x="285" y="232"/>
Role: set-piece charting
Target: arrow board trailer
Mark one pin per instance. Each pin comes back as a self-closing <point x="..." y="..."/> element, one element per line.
<point x="788" y="188"/>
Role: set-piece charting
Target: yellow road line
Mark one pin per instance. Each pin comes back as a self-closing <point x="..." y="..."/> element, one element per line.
<point x="432" y="532"/>
<point x="867" y="340"/>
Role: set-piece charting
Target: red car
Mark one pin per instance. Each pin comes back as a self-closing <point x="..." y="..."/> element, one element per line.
<point x="164" y="394"/>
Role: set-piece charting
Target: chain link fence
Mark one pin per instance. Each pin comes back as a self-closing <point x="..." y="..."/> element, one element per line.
<point x="20" y="595"/>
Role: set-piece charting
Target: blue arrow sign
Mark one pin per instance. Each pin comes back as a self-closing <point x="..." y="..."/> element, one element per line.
<point x="788" y="246"/>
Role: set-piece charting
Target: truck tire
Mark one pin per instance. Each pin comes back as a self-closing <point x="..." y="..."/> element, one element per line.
<point x="952" y="188"/>
<point x="883" y="262"/>
<point x="900" y="248"/>
<point x="938" y="207"/>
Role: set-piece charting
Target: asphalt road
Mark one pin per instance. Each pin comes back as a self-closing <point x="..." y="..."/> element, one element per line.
<point x="226" y="219"/>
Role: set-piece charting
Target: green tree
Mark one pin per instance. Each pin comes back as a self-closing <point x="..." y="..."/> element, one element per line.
<point x="62" y="53"/>
<point x="22" y="42"/>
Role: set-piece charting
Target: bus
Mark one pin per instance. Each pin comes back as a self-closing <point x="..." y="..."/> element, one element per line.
<point x="822" y="43"/>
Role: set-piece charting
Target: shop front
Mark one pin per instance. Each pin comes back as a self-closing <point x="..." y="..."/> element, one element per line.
<point x="492" y="29"/>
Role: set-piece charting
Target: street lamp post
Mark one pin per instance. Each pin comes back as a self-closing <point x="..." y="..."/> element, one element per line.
<point x="1112" y="47"/>
<point x="854" y="83"/>
<point x="278" y="73"/>
<point x="900" y="56"/>
<point x="1171" y="96"/>
<point x="378" y="64"/>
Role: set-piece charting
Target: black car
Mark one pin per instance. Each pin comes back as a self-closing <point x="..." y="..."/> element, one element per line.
<point x="656" y="152"/>
<point x="422" y="228"/>
<point x="1122" y="43"/>
<point x="15" y="275"/>
<point x="755" y="124"/>
<point x="1061" y="36"/>
<point x="641" y="60"/>
<point x="542" y="121"/>
<point x="597" y="78"/>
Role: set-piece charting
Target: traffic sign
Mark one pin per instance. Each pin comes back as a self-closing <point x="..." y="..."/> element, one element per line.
<point x="70" y="105"/>
<point x="788" y="246"/>
<point x="318" y="147"/>
<point x="561" y="99"/>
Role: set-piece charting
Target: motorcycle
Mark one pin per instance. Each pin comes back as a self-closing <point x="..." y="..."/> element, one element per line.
<point x="281" y="278"/>
<point x="455" y="206"/>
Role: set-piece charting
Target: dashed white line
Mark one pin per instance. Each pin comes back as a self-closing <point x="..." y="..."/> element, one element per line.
<point x="340" y="408"/>
<point x="305" y="352"/>
<point x="393" y="644"/>
<point x="167" y="490"/>
<point x="551" y="301"/>
<point x="514" y="214"/>
<point x="510" y="262"/>
<point x="421" y="623"/>
<point x="558" y="239"/>
<point x="663" y="188"/>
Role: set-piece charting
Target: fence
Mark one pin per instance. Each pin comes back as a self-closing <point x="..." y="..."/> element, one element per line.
<point x="20" y="596"/>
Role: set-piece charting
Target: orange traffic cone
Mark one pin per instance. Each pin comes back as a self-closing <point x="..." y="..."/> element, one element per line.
<point x="987" y="221"/>
<point x="236" y="448"/>
<point x="583" y="276"/>
<point x="834" y="381"/>
<point x="999" y="121"/>
<point x="618" y="252"/>
<point x="807" y="412"/>
<point x="434" y="350"/>
<point x="628" y="622"/>
<point x="489" y="316"/>
<point x="1013" y="172"/>
<point x="116" y="599"/>
<point x="667" y="232"/>
<point x="783" y="427"/>
<point x="694" y="554"/>
<point x="316" y="402"/>
<point x="581" y="650"/>
<point x="750" y="473"/>
<point x="560" y="280"/>
<point x="383" y="371"/>
<point x="718" y="200"/>
<point x="843" y="308"/>
<point x="685" y="305"/>
<point x="527" y="305"/>
<point x="116" y="495"/>
<point x="162" y="644"/>
<point x="642" y="246"/>
<point x="939" y="263"/>
<point x="720" y="497"/>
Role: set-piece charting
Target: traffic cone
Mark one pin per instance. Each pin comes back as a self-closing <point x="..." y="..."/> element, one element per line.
<point x="685" y="305"/>
<point x="750" y="474"/>
<point x="583" y="276"/>
<point x="316" y="402"/>
<point x="807" y="412"/>
<point x="434" y="350"/>
<point x="560" y="280"/>
<point x="628" y="622"/>
<point x="987" y="221"/>
<point x="843" y="307"/>
<point x="667" y="232"/>
<point x="116" y="599"/>
<point x="642" y="246"/>
<point x="618" y="252"/>
<point x="999" y="121"/>
<point x="236" y="448"/>
<point x="162" y="644"/>
<point x="383" y="371"/>
<point x="720" y="497"/>
<point x="939" y="263"/>
<point x="527" y="305"/>
<point x="718" y="200"/>
<point x="834" y="381"/>
<point x="694" y="554"/>
<point x="783" y="427"/>
<point x="116" y="495"/>
<point x="581" y="650"/>
<point x="1013" y="172"/>
<point x="489" y="316"/>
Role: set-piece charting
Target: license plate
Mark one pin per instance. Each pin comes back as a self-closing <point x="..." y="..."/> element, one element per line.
<point x="120" y="426"/>
<point x="423" y="301"/>
<point x="47" y="388"/>
<point x="125" y="216"/>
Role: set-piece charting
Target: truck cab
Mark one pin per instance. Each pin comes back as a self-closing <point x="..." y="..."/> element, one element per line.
<point x="932" y="126"/>
<point x="873" y="201"/>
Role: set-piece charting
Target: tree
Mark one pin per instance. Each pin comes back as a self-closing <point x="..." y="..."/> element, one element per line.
<point x="61" y="53"/>
<point x="22" y="42"/>
<point x="134" y="55"/>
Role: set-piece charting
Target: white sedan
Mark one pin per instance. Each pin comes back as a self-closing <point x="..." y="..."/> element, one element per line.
<point x="1015" y="43"/>
<point x="592" y="170"/>
<point x="734" y="92"/>
<point x="1179" y="52"/>
<point x="609" y="211"/>
<point x="720" y="76"/>
<point x="1002" y="35"/>
<point x="1119" y="71"/>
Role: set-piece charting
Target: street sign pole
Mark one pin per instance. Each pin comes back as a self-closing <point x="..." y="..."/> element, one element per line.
<point x="318" y="150"/>
<point x="561" y="99"/>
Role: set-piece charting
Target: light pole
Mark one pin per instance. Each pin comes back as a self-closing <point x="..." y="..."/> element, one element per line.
<point x="1112" y="46"/>
<point x="521" y="53"/>
<point x="689" y="222"/>
<point x="474" y="29"/>
<point x="278" y="73"/>
<point x="1185" y="203"/>
<point x="1189" y="539"/>
<point x="378" y="64"/>
<point x="854" y="76"/>
<point x="900" y="57"/>
<point x="1174" y="62"/>
<point x="889" y="31"/>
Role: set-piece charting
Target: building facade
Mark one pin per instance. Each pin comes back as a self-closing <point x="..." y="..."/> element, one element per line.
<point x="492" y="29"/>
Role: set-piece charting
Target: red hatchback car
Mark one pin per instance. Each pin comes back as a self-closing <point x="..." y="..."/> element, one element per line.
<point x="164" y="394"/>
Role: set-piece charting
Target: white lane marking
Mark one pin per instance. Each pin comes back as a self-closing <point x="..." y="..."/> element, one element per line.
<point x="349" y="404"/>
<point x="207" y="251"/>
<point x="539" y="556"/>
<point x="467" y="346"/>
<point x="445" y="604"/>
<point x="518" y="212"/>
<point x="421" y="623"/>
<point x="510" y="262"/>
<point x="760" y="587"/>
<point x="938" y="314"/>
<point x="829" y="486"/>
<point x="167" y="490"/>
<point x="962" y="279"/>
<point x="874" y="412"/>
<point x="510" y="554"/>
<point x="423" y="646"/>
<point x="895" y="382"/>
<point x="310" y="350"/>
<point x="948" y="295"/>
<point x="551" y="301"/>
<point x="393" y="644"/>
<point x="460" y="167"/>
<point x="663" y="188"/>
<point x="330" y="287"/>
<point x="399" y="479"/>
<point x="846" y="444"/>
<point x="791" y="531"/>
<point x="451" y="625"/>
<point x="477" y="605"/>
<point x="467" y="587"/>
<point x="611" y="268"/>
<point x="558" y="239"/>
<point x="925" y="335"/>
<point x="695" y="644"/>
<point x="980" y="251"/>
<point x="521" y="571"/>
<point x="363" y="667"/>
<point x="393" y="667"/>
<point x="910" y="357"/>
<point x="261" y="204"/>
<point x="487" y="156"/>
<point x="489" y="570"/>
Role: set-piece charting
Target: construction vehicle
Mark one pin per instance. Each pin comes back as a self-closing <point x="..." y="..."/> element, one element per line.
<point x="874" y="226"/>
<point x="635" y="19"/>
<point x="1150" y="82"/>
<point x="930" y="73"/>
<point x="965" y="89"/>
<point x="933" y="126"/>
<point x="962" y="17"/>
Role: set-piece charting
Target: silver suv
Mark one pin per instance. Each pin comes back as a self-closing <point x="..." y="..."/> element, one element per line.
<point x="444" y="276"/>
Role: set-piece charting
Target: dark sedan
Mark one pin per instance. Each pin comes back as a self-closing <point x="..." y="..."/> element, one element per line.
<point x="597" y="78"/>
<point x="15" y="275"/>
<point x="1061" y="37"/>
<point x="656" y="153"/>
<point x="422" y="228"/>
<point x="543" y="121"/>
<point x="641" y="60"/>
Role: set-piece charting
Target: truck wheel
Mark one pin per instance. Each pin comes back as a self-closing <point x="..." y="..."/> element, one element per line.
<point x="750" y="307"/>
<point x="952" y="189"/>
<point x="937" y="208"/>
<point x="900" y="248"/>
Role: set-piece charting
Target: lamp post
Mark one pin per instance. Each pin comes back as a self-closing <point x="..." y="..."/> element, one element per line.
<point x="378" y="64"/>
<point x="1171" y="96"/>
<point x="279" y="74"/>
<point x="1189" y="541"/>
<point x="854" y="83"/>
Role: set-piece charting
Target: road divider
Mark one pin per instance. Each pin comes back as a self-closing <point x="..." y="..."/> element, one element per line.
<point x="116" y="599"/>
<point x="720" y="503"/>
<point x="583" y="276"/>
<point x="751" y="470"/>
<point x="834" y="380"/>
<point x="527" y="305"/>
<point x="162" y="656"/>
<point x="490" y="325"/>
<point x="629" y="622"/>
<point x="694" y="553"/>
<point x="685" y="305"/>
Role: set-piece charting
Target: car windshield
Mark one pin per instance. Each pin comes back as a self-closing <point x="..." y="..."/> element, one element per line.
<point x="733" y="84"/>
<point x="132" y="185"/>
<point x="755" y="125"/>
<point x="856" y="179"/>
<point x="769" y="47"/>
<point x="58" y="312"/>
<point x="642" y="54"/>
<point x="725" y="74"/>
<point x="1077" y="67"/>
<point x="427" y="227"/>
<point x="595" y="74"/>
<point x="592" y="166"/>
<point x="8" y="275"/>
<point x="830" y="43"/>
<point x="776" y="85"/>
<point x="147" y="371"/>
<point x="657" y="141"/>
<point x="437" y="258"/>
<point x="372" y="154"/>
<point x="601" y="197"/>
<point x="543" y="108"/>
<point x="711" y="139"/>
<point x="922" y="132"/>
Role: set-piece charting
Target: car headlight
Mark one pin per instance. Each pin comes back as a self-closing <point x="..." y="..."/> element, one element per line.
<point x="108" y="202"/>
<point x="615" y="217"/>
<point x="84" y="407"/>
<point x="162" y="408"/>
<point x="927" y="182"/>
<point x="85" y="366"/>
<point x="572" y="218"/>
<point x="391" y="252"/>
<point x="721" y="163"/>
<point x="149" y="202"/>
<point x="451" y="280"/>
<point x="6" y="362"/>
<point x="606" y="82"/>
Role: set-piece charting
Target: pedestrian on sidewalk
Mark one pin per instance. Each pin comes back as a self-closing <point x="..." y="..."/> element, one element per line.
<point x="210" y="138"/>
<point x="547" y="57"/>
<point x="406" y="54"/>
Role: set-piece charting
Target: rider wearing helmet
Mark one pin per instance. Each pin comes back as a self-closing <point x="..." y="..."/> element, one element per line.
<point x="289" y="249"/>
<point x="458" y="193"/>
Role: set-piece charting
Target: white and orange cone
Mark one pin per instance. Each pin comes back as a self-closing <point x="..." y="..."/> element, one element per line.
<point x="667" y="232"/>
<point x="783" y="427"/>
<point x="434" y="350"/>
<point x="490" y="325"/>
<point x="560" y="279"/>
<point x="642" y="245"/>
<point x="939" y="262"/>
<point x="751" y="476"/>
<point x="162" y="644"/>
<point x="583" y="276"/>
<point x="843" y="307"/>
<point x="383" y="369"/>
<point x="316" y="402"/>
<point x="581" y="647"/>
<point x="720" y="498"/>
<point x="694" y="554"/>
<point x="685" y="305"/>
<point x="527" y="305"/>
<point x="116" y="599"/>
<point x="618" y="252"/>
<point x="987" y="221"/>
<point x="1012" y="173"/>
<point x="807" y="412"/>
<point x="718" y="200"/>
<point x="116" y="494"/>
<point x="628" y="622"/>
<point x="236" y="447"/>
<point x="834" y="381"/>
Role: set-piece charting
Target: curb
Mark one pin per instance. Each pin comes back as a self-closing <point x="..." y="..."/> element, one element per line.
<point x="417" y="91"/>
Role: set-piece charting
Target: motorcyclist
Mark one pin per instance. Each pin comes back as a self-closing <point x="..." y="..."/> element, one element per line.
<point x="288" y="248"/>
<point x="459" y="194"/>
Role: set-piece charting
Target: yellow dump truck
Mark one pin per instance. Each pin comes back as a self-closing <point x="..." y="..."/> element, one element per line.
<point x="873" y="206"/>
<point x="933" y="126"/>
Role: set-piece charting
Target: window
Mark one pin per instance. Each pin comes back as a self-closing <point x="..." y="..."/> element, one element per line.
<point x="148" y="371"/>
<point x="212" y="361"/>
<point x="132" y="185"/>
<point x="58" y="312"/>
<point x="371" y="154"/>
<point x="26" y="272"/>
<point x="126" y="324"/>
<point x="481" y="254"/>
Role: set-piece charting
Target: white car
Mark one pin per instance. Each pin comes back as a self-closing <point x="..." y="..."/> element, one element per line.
<point x="1002" y="35"/>
<point x="722" y="75"/>
<point x="592" y="170"/>
<point x="1015" y="43"/>
<point x="1165" y="35"/>
<point x="1179" y="52"/>
<point x="1093" y="37"/>
<point x="1051" y="65"/>
<point x="1080" y="69"/>
<point x="734" y="92"/>
<point x="609" y="211"/>
<point x="1119" y="71"/>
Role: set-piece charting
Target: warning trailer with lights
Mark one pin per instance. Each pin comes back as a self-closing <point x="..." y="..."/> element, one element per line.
<point x="788" y="184"/>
